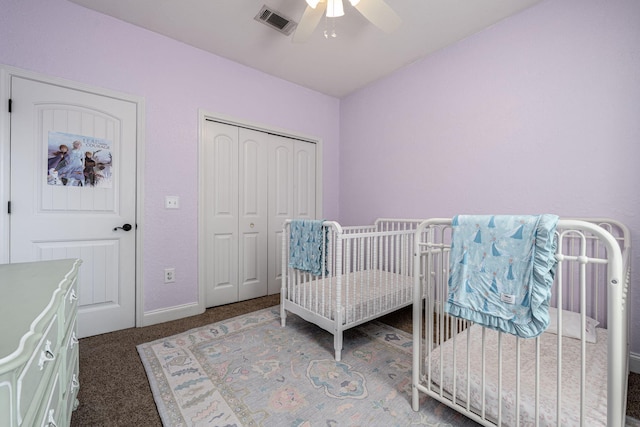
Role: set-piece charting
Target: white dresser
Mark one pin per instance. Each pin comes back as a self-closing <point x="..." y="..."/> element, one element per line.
<point x="38" y="344"/>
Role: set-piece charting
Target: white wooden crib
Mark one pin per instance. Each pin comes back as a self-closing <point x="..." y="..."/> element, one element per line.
<point x="473" y="369"/>
<point x="369" y="273"/>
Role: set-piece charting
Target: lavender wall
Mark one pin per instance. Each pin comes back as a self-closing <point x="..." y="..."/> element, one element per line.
<point x="506" y="121"/>
<point x="61" y="39"/>
<point x="539" y="113"/>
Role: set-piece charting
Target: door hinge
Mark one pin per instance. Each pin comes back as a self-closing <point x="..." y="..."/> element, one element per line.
<point x="10" y="102"/>
<point x="9" y="207"/>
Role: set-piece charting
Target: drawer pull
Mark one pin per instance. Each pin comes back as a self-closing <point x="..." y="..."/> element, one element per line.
<point x="73" y="296"/>
<point x="46" y="355"/>
<point x="51" y="422"/>
<point x="74" y="382"/>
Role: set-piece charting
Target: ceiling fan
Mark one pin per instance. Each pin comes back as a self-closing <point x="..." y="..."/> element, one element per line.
<point x="376" y="11"/>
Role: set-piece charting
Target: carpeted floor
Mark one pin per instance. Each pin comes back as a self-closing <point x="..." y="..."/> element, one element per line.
<point x="114" y="389"/>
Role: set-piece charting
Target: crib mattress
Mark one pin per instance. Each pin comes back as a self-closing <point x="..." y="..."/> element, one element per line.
<point x="365" y="294"/>
<point x="596" y="381"/>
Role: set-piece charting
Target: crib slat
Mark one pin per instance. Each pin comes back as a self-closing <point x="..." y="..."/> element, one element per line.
<point x="583" y="327"/>
<point x="499" y="374"/>
<point x="483" y="412"/>
<point x="517" y="381"/>
<point x="560" y="288"/>
<point x="537" y="384"/>
<point x="468" y="404"/>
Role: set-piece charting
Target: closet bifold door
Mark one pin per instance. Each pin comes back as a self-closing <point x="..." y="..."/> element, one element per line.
<point x="280" y="204"/>
<point x="253" y="181"/>
<point x="304" y="179"/>
<point x="252" y="216"/>
<point x="220" y="151"/>
<point x="292" y="194"/>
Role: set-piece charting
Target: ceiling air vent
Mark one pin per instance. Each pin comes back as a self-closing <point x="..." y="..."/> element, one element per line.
<point x="275" y="20"/>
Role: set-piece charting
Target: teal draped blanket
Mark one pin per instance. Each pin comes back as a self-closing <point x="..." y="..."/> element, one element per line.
<point x="307" y="240"/>
<point x="501" y="270"/>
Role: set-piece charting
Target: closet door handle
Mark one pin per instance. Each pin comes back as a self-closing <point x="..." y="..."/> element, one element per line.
<point x="125" y="227"/>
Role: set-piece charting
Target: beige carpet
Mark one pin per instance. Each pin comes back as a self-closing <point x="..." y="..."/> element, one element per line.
<point x="114" y="389"/>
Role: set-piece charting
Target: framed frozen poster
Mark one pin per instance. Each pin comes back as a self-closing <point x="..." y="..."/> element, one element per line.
<point x="78" y="161"/>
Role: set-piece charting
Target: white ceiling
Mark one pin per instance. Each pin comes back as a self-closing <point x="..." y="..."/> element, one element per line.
<point x="359" y="55"/>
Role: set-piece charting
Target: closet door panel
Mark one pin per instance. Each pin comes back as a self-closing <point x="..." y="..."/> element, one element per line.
<point x="304" y="179"/>
<point x="253" y="214"/>
<point x="281" y="160"/>
<point x="221" y="212"/>
<point x="281" y="178"/>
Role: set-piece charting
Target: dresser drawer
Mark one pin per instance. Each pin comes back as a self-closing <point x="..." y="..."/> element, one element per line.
<point x="70" y="304"/>
<point x="39" y="367"/>
<point x="72" y="389"/>
<point x="71" y="346"/>
<point x="51" y="413"/>
<point x="71" y="352"/>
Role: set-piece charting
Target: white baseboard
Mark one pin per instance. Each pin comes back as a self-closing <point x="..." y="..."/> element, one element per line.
<point x="172" y="313"/>
<point x="634" y="362"/>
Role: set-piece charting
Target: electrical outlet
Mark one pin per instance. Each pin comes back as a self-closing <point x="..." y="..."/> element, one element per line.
<point x="172" y="202"/>
<point x="169" y="275"/>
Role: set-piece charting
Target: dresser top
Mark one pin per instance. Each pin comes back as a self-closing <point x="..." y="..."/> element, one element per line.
<point x="26" y="292"/>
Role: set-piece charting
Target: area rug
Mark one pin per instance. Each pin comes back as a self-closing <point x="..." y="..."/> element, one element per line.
<point x="249" y="371"/>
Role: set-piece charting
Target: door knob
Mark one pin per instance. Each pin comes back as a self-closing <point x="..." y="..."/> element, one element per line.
<point x="125" y="227"/>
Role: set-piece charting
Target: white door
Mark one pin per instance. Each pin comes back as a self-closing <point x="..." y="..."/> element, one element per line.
<point x="304" y="180"/>
<point x="220" y="175"/>
<point x="252" y="222"/>
<point x="69" y="206"/>
<point x="236" y="213"/>
<point x="292" y="194"/>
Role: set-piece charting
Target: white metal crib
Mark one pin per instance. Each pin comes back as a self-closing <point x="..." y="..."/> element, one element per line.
<point x="369" y="273"/>
<point x="574" y="377"/>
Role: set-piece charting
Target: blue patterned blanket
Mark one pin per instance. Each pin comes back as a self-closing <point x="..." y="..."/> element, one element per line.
<point x="306" y="242"/>
<point x="501" y="271"/>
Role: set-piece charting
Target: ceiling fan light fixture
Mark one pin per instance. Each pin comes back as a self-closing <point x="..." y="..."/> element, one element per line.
<point x="334" y="8"/>
<point x="377" y="12"/>
<point x="313" y="3"/>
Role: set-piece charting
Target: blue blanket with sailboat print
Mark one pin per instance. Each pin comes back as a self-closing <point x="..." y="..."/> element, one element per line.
<point x="501" y="270"/>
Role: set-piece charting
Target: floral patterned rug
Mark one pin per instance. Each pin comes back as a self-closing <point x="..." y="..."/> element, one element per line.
<point x="249" y="371"/>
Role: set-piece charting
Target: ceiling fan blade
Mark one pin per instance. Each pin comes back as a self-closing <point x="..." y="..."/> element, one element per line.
<point x="379" y="14"/>
<point x="309" y="21"/>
